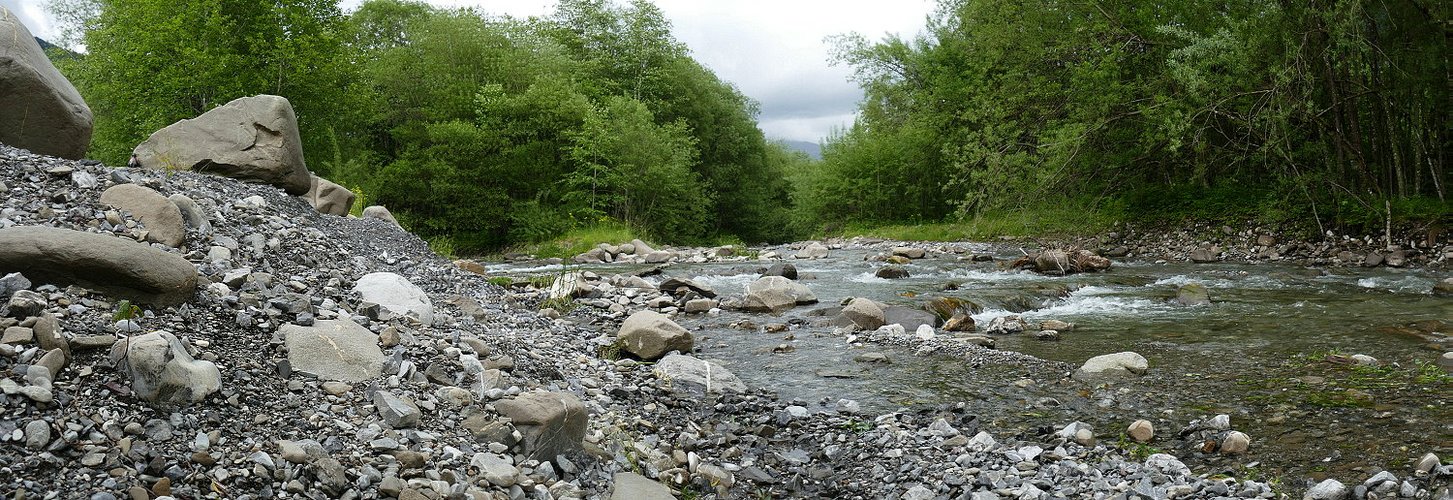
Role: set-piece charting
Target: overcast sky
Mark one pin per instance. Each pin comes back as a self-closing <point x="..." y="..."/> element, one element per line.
<point x="773" y="50"/>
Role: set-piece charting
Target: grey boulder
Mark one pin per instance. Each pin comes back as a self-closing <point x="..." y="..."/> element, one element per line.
<point x="865" y="313"/>
<point x="162" y="371"/>
<point x="632" y="486"/>
<point x="42" y="111"/>
<point x="552" y="423"/>
<point x="397" y="412"/>
<point x="381" y="213"/>
<point x="687" y="374"/>
<point x="162" y="218"/>
<point x="1112" y="366"/>
<point x="650" y="335"/>
<point x="397" y="295"/>
<point x="776" y="294"/>
<point x="329" y="197"/>
<point x="334" y="350"/>
<point x="251" y="138"/>
<point x="122" y="268"/>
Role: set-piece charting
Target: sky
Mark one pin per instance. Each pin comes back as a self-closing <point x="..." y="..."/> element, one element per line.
<point x="773" y="50"/>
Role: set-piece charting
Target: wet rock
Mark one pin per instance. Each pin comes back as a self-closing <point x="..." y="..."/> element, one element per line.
<point x="43" y="111"/>
<point x="650" y="335"/>
<point x="697" y="306"/>
<point x="1142" y="431"/>
<point x="1054" y="324"/>
<point x="632" y="486"/>
<point x="909" y="318"/>
<point x="1193" y="294"/>
<point x="1204" y="255"/>
<point x="909" y="252"/>
<point x="695" y="376"/>
<point x="872" y="357"/>
<point x="1006" y="325"/>
<point x="679" y="286"/>
<point x="552" y="423"/>
<point x="813" y="250"/>
<point x="162" y="371"/>
<point x="162" y="218"/>
<point x="775" y="294"/>
<point x="251" y="138"/>
<point x="397" y="412"/>
<point x="789" y="271"/>
<point x="334" y="350"/>
<point x="960" y="323"/>
<point x="864" y="313"/>
<point x="397" y="295"/>
<point x="124" y="269"/>
<point x="891" y="272"/>
<point x="1112" y="366"/>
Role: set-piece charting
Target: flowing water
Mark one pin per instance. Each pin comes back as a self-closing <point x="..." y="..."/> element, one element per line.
<point x="1270" y="351"/>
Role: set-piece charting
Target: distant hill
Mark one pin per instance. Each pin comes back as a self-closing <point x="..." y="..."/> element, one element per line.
<point x="813" y="150"/>
<point x="44" y="45"/>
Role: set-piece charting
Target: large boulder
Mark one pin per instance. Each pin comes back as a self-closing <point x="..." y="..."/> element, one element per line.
<point x="632" y="486"/>
<point x="690" y="375"/>
<point x="650" y="335"/>
<point x="397" y="295"/>
<point x="162" y="218"/>
<point x="910" y="318"/>
<point x="119" y="267"/>
<point x="552" y="423"/>
<point x="251" y="138"/>
<point x="334" y="350"/>
<point x="1193" y="294"/>
<point x="328" y="197"/>
<point x="163" y="372"/>
<point x="1112" y="366"/>
<point x="679" y="286"/>
<point x="865" y="313"/>
<point x="775" y="294"/>
<point x="813" y="250"/>
<point x="380" y="212"/>
<point x="42" y="111"/>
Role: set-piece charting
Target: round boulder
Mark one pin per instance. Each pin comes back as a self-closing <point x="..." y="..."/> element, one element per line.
<point x="650" y="335"/>
<point x="1112" y="366"/>
<point x="162" y="218"/>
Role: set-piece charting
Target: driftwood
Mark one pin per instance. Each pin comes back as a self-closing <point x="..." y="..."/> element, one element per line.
<point x="1060" y="262"/>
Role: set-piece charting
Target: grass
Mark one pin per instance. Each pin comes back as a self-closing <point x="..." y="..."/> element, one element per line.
<point x="1044" y="222"/>
<point x="579" y="241"/>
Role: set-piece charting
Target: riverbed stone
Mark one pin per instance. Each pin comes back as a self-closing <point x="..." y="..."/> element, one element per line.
<point x="632" y="486"/>
<point x="380" y="212"/>
<point x="162" y="218"/>
<point x="119" y="267"/>
<point x="250" y="138"/>
<point x="1112" y="366"/>
<point x="776" y="294"/>
<point x="552" y="423"/>
<point x="1329" y="489"/>
<point x="865" y="313"/>
<point x="680" y="286"/>
<point x="1235" y="443"/>
<point x="329" y="197"/>
<point x="334" y="350"/>
<point x="397" y="412"/>
<point x="650" y="335"/>
<point x="891" y="272"/>
<point x="1446" y="361"/>
<point x="1142" y="431"/>
<point x="162" y="371"/>
<point x="690" y="375"/>
<point x="1193" y="294"/>
<point x="909" y="252"/>
<point x="1204" y="255"/>
<point x="1006" y="325"/>
<point x="396" y="294"/>
<point x="43" y="112"/>
<point x="910" y="318"/>
<point x="789" y="271"/>
<point x="813" y="250"/>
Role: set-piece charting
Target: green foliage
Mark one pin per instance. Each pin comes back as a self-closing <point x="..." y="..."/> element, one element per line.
<point x="579" y="240"/>
<point x="125" y="310"/>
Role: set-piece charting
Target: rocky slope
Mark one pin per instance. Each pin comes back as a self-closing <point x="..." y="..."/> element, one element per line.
<point x="351" y="362"/>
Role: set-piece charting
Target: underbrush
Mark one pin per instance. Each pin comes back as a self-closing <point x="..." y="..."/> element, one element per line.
<point x="577" y="241"/>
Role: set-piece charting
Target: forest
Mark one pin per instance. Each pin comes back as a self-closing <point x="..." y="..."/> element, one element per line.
<point x="483" y="132"/>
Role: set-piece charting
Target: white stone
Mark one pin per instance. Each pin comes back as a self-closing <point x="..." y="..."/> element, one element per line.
<point x="397" y="294"/>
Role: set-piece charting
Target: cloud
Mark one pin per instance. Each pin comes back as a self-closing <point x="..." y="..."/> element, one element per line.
<point x="33" y="15"/>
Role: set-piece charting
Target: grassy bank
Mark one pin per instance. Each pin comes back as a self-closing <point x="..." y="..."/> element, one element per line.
<point x="577" y="241"/>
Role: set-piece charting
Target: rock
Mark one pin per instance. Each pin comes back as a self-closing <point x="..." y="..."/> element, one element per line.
<point x="909" y="318"/>
<point x="909" y="252"/>
<point x="124" y="269"/>
<point x="397" y="412"/>
<point x="17" y="335"/>
<point x="328" y="197"/>
<point x="251" y="138"/>
<point x="552" y="423"/>
<point x="571" y="285"/>
<point x="1235" y="443"/>
<point x="787" y="270"/>
<point x="396" y="294"/>
<point x="1396" y="258"/>
<point x="948" y="307"/>
<point x="1054" y="324"/>
<point x="162" y="371"/>
<point x="37" y="432"/>
<point x="813" y="250"/>
<point x="1203" y="256"/>
<point x="12" y="283"/>
<point x="649" y="335"/>
<point x="1142" y="431"/>
<point x="1111" y="366"/>
<point x="695" y="376"/>
<point x="891" y="272"/>
<point x="1365" y="360"/>
<point x="959" y="323"/>
<point x="43" y="111"/>
<point x="1006" y="325"/>
<point x="162" y="218"/>
<point x="872" y="357"/>
<point x="632" y="486"/>
<point x="1193" y="294"/>
<point x="25" y="304"/>
<point x="678" y="286"/>
<point x="1446" y="361"/>
<point x="1265" y="240"/>
<point x="700" y="305"/>
<point x="1427" y="464"/>
<point x="1441" y="288"/>
<point x="776" y="294"/>
<point x="472" y="266"/>
<point x="1167" y="464"/>
<point x="496" y="469"/>
<point x="191" y="213"/>
<point x="1329" y="489"/>
<point x="639" y="247"/>
<point x="334" y="350"/>
<point x="658" y="257"/>
<point x="1047" y="335"/>
<point x="918" y="492"/>
<point x="864" y="313"/>
<point x="381" y="213"/>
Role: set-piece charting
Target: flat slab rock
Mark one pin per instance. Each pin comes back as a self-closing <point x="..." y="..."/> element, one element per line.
<point x="118" y="267"/>
<point x="334" y="350"/>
